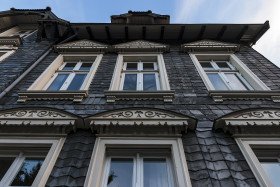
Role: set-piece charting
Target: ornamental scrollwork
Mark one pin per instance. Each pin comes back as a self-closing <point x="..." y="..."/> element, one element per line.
<point x="259" y="114"/>
<point x="139" y="114"/>
<point x="32" y="113"/>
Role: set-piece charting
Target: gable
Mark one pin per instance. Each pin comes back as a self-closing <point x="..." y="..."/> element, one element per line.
<point x="140" y="46"/>
<point x="209" y="45"/>
<point x="81" y="46"/>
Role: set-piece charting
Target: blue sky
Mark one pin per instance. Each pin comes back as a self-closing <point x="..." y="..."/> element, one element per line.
<point x="181" y="11"/>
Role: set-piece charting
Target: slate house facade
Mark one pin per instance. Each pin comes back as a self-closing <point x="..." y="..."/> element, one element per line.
<point x="135" y="102"/>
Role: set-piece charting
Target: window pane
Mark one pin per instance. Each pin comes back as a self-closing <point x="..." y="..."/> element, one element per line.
<point x="272" y="170"/>
<point x="69" y="66"/>
<point x="131" y="66"/>
<point x="155" y="173"/>
<point x="206" y="65"/>
<point x="223" y="65"/>
<point x="217" y="81"/>
<point x="5" y="164"/>
<point x="121" y="172"/>
<point x="58" y="82"/>
<point x="235" y="82"/>
<point x="130" y="82"/>
<point x="85" y="66"/>
<point x="149" y="82"/>
<point x="28" y="172"/>
<point x="77" y="82"/>
<point x="148" y="66"/>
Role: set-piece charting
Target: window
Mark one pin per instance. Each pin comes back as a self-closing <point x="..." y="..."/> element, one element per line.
<point x="127" y="162"/>
<point x="5" y="54"/>
<point x="20" y="31"/>
<point x="142" y="167"/>
<point x="68" y="72"/>
<point x="226" y="72"/>
<point x="140" y="76"/>
<point x="140" y="73"/>
<point x="24" y="162"/>
<point x="263" y="156"/>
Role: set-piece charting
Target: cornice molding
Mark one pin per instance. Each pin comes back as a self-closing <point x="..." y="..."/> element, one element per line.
<point x="209" y="45"/>
<point x="81" y="46"/>
<point x="140" y="46"/>
<point x="14" y="41"/>
<point x="139" y="120"/>
<point x="221" y="95"/>
<point x="256" y="121"/>
<point x="76" y="96"/>
<point x="163" y="95"/>
<point x="26" y="119"/>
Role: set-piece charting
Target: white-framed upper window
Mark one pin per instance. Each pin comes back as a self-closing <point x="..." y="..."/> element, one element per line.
<point x="263" y="157"/>
<point x="138" y="162"/>
<point x="21" y="31"/>
<point x="141" y="72"/>
<point x="68" y="72"/>
<point x="5" y="54"/>
<point x="226" y="72"/>
<point x="27" y="161"/>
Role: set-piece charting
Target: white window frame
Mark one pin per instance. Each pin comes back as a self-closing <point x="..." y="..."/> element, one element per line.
<point x="245" y="146"/>
<point x="98" y="160"/>
<point x="138" y="169"/>
<point x="14" y="30"/>
<point x="246" y="73"/>
<point x="6" y="54"/>
<point x="119" y="72"/>
<point x="49" y="75"/>
<point x="55" y="145"/>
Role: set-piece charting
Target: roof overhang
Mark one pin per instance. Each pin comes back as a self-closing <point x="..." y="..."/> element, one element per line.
<point x="235" y="33"/>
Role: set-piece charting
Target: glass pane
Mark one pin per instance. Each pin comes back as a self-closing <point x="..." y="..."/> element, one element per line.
<point x="58" y="82"/>
<point x="28" y="172"/>
<point x="121" y="172"/>
<point x="85" y="66"/>
<point x="217" y="81"/>
<point x="69" y="66"/>
<point x="272" y="169"/>
<point x="149" y="82"/>
<point x="148" y="66"/>
<point x="155" y="173"/>
<point x="235" y="82"/>
<point x="206" y="65"/>
<point x="5" y="164"/>
<point x="131" y="66"/>
<point x="77" y="82"/>
<point x="130" y="82"/>
<point x="223" y="65"/>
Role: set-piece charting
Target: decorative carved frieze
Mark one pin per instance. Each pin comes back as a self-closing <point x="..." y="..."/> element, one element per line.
<point x="251" y="122"/>
<point x="82" y="45"/>
<point x="209" y="45"/>
<point x="138" y="120"/>
<point x="32" y="114"/>
<point x="140" y="46"/>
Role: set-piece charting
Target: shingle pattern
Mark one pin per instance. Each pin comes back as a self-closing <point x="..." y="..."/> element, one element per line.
<point x="72" y="164"/>
<point x="214" y="159"/>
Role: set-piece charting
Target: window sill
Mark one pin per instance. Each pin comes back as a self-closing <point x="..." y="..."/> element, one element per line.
<point x="221" y="95"/>
<point x="165" y="95"/>
<point x="12" y="40"/>
<point x="76" y="96"/>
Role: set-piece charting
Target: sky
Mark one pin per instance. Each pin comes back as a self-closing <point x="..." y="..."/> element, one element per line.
<point x="180" y="11"/>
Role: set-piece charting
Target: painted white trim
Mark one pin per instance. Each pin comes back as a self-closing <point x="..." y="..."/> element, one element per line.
<point x="245" y="147"/>
<point x="49" y="75"/>
<point x="248" y="75"/>
<point x="118" y="78"/>
<point x="55" y="144"/>
<point x="7" y="53"/>
<point x="96" y="168"/>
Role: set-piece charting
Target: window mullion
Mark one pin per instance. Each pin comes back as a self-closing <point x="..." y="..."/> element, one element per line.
<point x="68" y="81"/>
<point x="139" y="81"/>
<point x="225" y="79"/>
